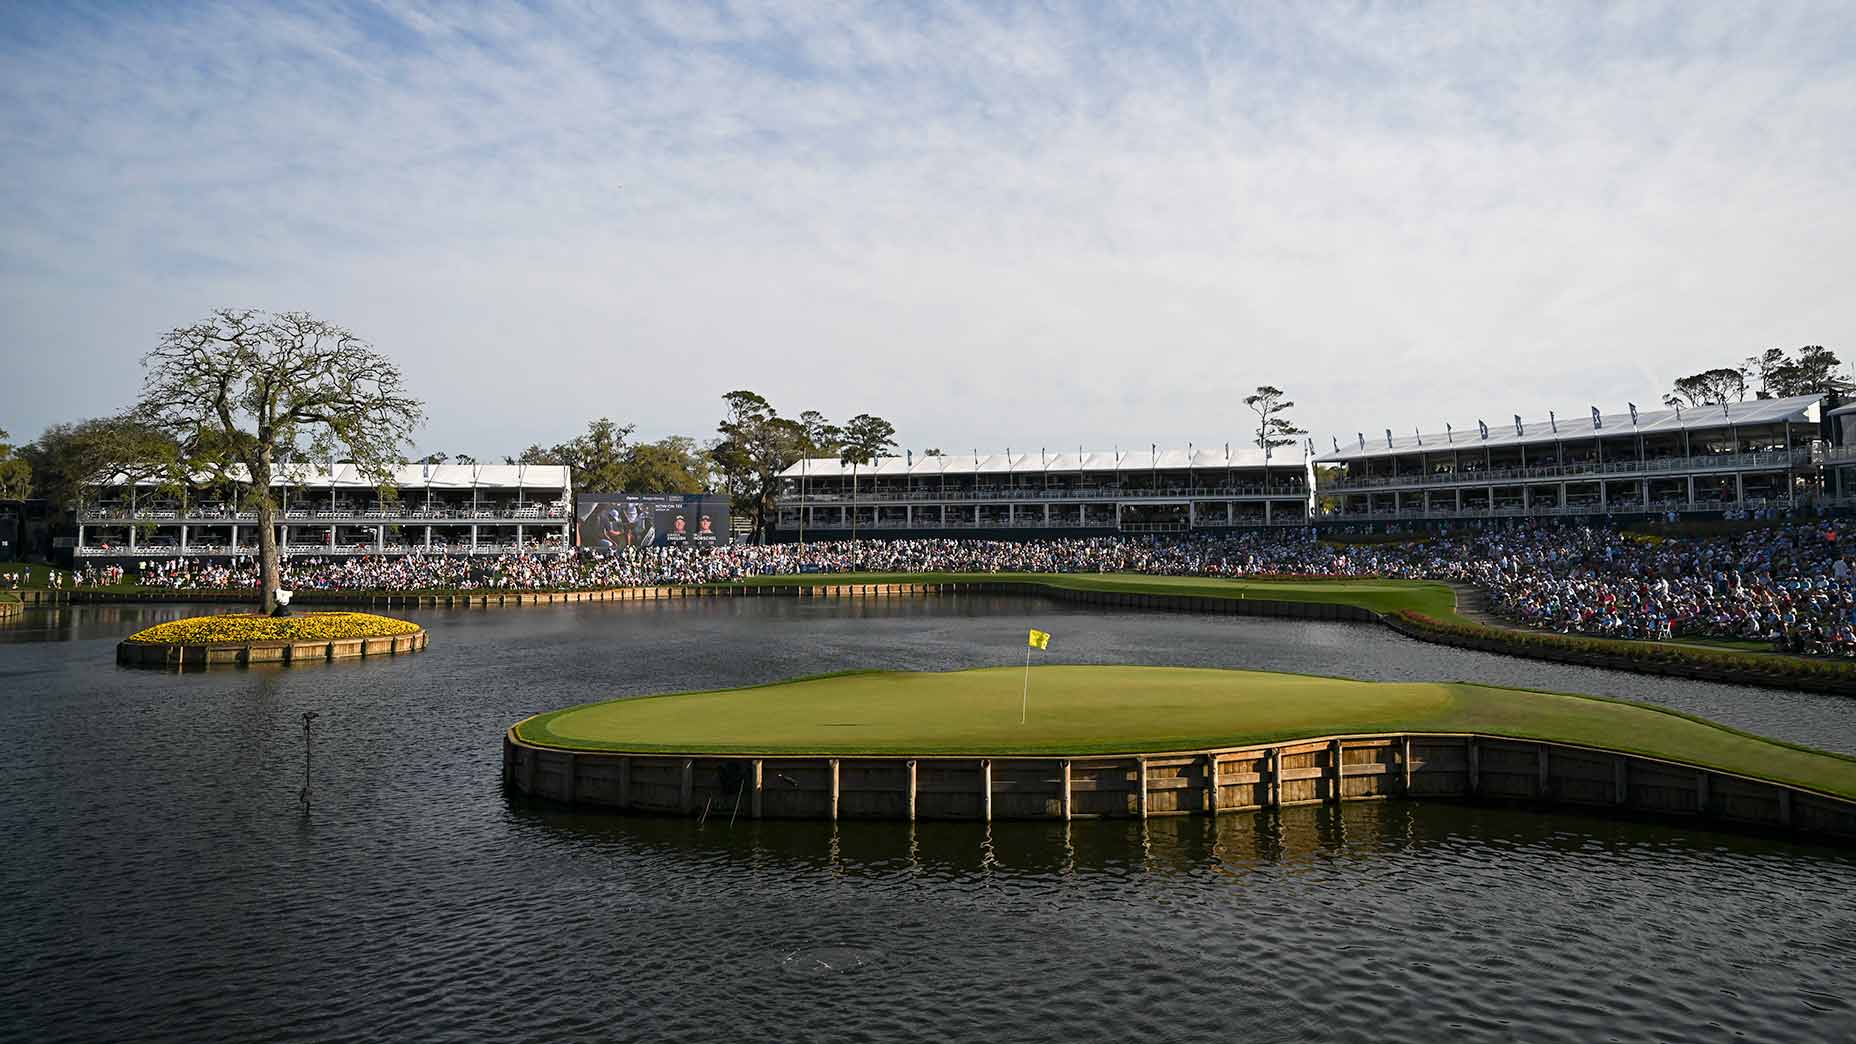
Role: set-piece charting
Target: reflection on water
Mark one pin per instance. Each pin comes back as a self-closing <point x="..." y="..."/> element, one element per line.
<point x="161" y="882"/>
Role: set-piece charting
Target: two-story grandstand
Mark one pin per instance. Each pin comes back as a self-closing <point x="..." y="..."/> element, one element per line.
<point x="428" y="508"/>
<point x="1738" y="456"/>
<point x="1038" y="494"/>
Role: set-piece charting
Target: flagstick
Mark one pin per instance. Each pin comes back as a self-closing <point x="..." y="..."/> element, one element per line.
<point x="1024" y="700"/>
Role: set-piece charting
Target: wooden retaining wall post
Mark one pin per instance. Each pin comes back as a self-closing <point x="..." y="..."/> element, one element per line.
<point x="1701" y="791"/>
<point x="986" y="789"/>
<point x="759" y="782"/>
<point x="1209" y="803"/>
<point x="1405" y="764"/>
<point x="834" y="790"/>
<point x="1541" y="783"/>
<point x="911" y="790"/>
<point x="1063" y="802"/>
<point x="1140" y="767"/>
<point x="529" y="757"/>
<point x="1785" y="806"/>
<point x="1473" y="758"/>
<point x="686" y="789"/>
<point x="567" y="782"/>
<point x="1620" y="781"/>
<point x="625" y="783"/>
<point x="1272" y="768"/>
<point x="1337" y="753"/>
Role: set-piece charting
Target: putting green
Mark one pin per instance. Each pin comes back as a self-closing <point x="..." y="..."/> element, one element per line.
<point x="1075" y="710"/>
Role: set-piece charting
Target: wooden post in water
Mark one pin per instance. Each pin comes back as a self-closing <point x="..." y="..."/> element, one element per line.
<point x="1063" y="802"/>
<point x="834" y="790"/>
<point x="912" y="778"/>
<point x="760" y="783"/>
<point x="986" y="789"/>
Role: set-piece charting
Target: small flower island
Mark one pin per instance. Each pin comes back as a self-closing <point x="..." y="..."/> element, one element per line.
<point x="238" y="639"/>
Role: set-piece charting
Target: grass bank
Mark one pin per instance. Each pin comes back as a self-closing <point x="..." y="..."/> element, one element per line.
<point x="1380" y="596"/>
<point x="1082" y="710"/>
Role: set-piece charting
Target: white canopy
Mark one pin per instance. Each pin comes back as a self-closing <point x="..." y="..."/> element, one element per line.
<point x="1575" y="426"/>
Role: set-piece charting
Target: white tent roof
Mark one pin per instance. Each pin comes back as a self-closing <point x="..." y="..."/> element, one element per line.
<point x="1802" y="409"/>
<point x="1054" y="463"/>
<point x="412" y="476"/>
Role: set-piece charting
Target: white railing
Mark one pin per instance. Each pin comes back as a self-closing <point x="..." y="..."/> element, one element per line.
<point x="1590" y="470"/>
<point x="1036" y="495"/>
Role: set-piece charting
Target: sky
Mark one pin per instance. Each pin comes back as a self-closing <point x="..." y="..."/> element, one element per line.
<point x="995" y="226"/>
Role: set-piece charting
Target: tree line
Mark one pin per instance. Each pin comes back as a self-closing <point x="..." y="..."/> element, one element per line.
<point x="1772" y="374"/>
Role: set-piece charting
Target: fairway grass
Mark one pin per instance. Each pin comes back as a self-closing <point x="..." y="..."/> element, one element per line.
<point x="1082" y="710"/>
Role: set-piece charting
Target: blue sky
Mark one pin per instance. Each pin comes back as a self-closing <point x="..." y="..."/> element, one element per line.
<point x="1038" y="225"/>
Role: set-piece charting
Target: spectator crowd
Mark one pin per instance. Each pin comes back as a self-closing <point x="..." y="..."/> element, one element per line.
<point x="1788" y="584"/>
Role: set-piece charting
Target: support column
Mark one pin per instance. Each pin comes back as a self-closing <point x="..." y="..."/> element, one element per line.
<point x="1230" y="513"/>
<point x="473" y="537"/>
<point x="1739" y="488"/>
<point x="1266" y="509"/>
<point x="519" y="530"/>
<point x="1691" y="492"/>
<point x="380" y="537"/>
<point x="183" y="538"/>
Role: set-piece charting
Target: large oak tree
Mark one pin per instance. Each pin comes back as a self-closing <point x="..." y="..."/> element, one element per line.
<point x="258" y="390"/>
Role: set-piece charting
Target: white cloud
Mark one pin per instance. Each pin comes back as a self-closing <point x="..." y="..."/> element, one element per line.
<point x="991" y="226"/>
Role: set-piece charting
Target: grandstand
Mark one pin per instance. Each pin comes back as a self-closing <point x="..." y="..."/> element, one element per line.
<point x="1040" y="494"/>
<point x="436" y="508"/>
<point x="1743" y="456"/>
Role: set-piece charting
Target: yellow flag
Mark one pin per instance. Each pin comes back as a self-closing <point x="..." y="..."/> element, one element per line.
<point x="1040" y="639"/>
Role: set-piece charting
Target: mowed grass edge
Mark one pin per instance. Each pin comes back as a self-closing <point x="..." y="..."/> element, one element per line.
<point x="1085" y="710"/>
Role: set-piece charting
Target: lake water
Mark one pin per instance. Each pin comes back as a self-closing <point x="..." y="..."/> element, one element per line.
<point x="161" y="880"/>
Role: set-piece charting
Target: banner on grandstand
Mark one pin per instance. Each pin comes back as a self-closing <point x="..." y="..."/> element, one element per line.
<point x="614" y="521"/>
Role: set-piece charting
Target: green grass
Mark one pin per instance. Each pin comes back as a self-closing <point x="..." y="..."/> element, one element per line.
<point x="1380" y="596"/>
<point x="37" y="574"/>
<point x="1080" y="710"/>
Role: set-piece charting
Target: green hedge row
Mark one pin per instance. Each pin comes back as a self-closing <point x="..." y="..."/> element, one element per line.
<point x="1753" y="665"/>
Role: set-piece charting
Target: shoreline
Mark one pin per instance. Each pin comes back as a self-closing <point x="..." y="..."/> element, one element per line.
<point x="1390" y="605"/>
<point x="1248" y="778"/>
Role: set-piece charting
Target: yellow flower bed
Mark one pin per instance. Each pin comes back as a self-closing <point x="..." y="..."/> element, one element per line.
<point x="250" y="627"/>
